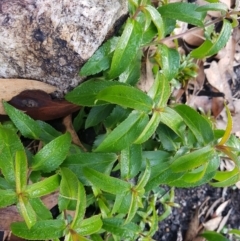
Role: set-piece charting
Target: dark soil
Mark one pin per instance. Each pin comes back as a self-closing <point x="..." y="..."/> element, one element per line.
<point x="176" y="225"/>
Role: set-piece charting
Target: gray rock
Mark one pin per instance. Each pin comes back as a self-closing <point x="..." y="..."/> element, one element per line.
<point x="49" y="40"/>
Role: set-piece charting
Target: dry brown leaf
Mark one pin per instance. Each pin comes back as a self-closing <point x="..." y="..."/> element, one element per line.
<point x="193" y="229"/>
<point x="221" y="208"/>
<point x="67" y="122"/>
<point x="224" y="221"/>
<point x="212" y="224"/>
<point x="147" y="77"/>
<point x="217" y="78"/>
<point x="12" y="87"/>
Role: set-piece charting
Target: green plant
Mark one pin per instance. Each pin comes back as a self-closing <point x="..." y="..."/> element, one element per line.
<point x="142" y="141"/>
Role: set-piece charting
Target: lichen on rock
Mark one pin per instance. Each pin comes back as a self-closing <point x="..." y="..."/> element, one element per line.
<point x="49" y="40"/>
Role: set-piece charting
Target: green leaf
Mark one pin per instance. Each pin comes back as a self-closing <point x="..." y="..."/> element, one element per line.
<point x="68" y="190"/>
<point x="7" y="198"/>
<point x="132" y="74"/>
<point x="86" y="93"/>
<point x="26" y="125"/>
<point x="185" y="12"/>
<point x="157" y="20"/>
<point x="118" y="115"/>
<point x="21" y="170"/>
<point x="169" y="61"/>
<point x="173" y="120"/>
<point x="168" y="138"/>
<point x="41" y="210"/>
<point x="52" y="155"/>
<point x="53" y="229"/>
<point x="125" y="133"/>
<point x="160" y="91"/>
<point x="235" y="232"/>
<point x="209" y="48"/>
<point x="106" y="183"/>
<point x="116" y="226"/>
<point x="197" y="124"/>
<point x="44" y="187"/>
<point x="101" y="59"/>
<point x="101" y="162"/>
<point x="134" y="205"/>
<point x="81" y="206"/>
<point x="193" y="159"/>
<point x="9" y="145"/>
<point x="131" y="160"/>
<point x="229" y="126"/>
<point x="90" y="225"/>
<point x="97" y="114"/>
<point x="126" y="96"/>
<point x="226" y="178"/>
<point x="149" y="129"/>
<point x="213" y="7"/>
<point x="48" y="133"/>
<point x="144" y="177"/>
<point x="26" y="211"/>
<point x="213" y="236"/>
<point x="127" y="48"/>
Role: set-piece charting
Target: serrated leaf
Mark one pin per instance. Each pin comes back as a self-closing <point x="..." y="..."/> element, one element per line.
<point x="53" y="229"/>
<point x="157" y="20"/>
<point x="126" y="96"/>
<point x="173" y="120"/>
<point x="86" y="93"/>
<point x="26" y="211"/>
<point x="9" y="145"/>
<point x="208" y="48"/>
<point x="26" y="125"/>
<point x="101" y="162"/>
<point x="167" y="137"/>
<point x="185" y="12"/>
<point x="213" y="236"/>
<point x="228" y="130"/>
<point x="101" y="59"/>
<point x="21" y="171"/>
<point x="118" y="115"/>
<point x="52" y="155"/>
<point x="97" y="114"/>
<point x="7" y="198"/>
<point x="90" y="225"/>
<point x="125" y="133"/>
<point x="169" y="61"/>
<point x="48" y="133"/>
<point x="116" y="226"/>
<point x="193" y="159"/>
<point x="41" y="210"/>
<point x="213" y="7"/>
<point x="44" y="187"/>
<point x="132" y="74"/>
<point x="131" y="160"/>
<point x="106" y="183"/>
<point x="127" y="48"/>
<point x="197" y="124"/>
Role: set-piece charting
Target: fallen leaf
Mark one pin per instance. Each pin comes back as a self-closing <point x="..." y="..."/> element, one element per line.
<point x="67" y="122"/>
<point x="39" y="105"/>
<point x="12" y="87"/>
